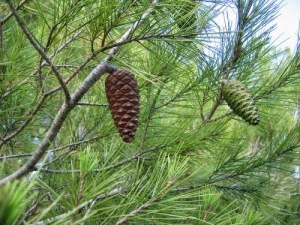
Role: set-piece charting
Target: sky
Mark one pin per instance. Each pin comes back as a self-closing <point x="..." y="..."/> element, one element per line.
<point x="288" y="23"/>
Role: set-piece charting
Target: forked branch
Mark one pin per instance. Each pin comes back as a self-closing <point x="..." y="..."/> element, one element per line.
<point x="38" y="47"/>
<point x="70" y="103"/>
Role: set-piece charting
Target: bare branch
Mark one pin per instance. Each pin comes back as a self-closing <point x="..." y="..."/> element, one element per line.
<point x="214" y="107"/>
<point x="147" y="204"/>
<point x="58" y="50"/>
<point x="131" y="30"/>
<point x="123" y="162"/>
<point x="234" y="187"/>
<point x="71" y="146"/>
<point x="1" y="35"/>
<point x="29" y="119"/>
<point x="73" y="75"/>
<point x="92" y="104"/>
<point x="20" y="5"/>
<point x="92" y="202"/>
<point x="38" y="47"/>
<point x="2" y="67"/>
<point x="136" y="211"/>
<point x="64" y="45"/>
<point x="15" y="156"/>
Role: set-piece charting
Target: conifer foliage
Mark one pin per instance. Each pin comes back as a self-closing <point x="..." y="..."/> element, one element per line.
<point x="75" y="76"/>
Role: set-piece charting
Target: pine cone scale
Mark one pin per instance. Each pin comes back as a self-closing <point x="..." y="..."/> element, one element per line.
<point x="240" y="101"/>
<point x="123" y="98"/>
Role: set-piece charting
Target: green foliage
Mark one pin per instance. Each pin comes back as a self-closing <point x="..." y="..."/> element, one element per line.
<point x="192" y="161"/>
<point x="13" y="202"/>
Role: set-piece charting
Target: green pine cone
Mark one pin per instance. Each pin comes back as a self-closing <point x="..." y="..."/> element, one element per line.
<point x="240" y="101"/>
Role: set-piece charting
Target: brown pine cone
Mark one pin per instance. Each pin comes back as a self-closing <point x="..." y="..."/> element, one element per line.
<point x="123" y="97"/>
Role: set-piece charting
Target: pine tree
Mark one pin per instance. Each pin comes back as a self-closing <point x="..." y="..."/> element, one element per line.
<point x="193" y="160"/>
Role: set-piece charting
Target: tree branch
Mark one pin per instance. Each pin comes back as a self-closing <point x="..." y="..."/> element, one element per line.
<point x="58" y="50"/>
<point x="48" y="139"/>
<point x="90" y="202"/>
<point x="72" y="146"/>
<point x="136" y="211"/>
<point x="1" y="35"/>
<point x="29" y="119"/>
<point x="63" y="46"/>
<point x="146" y="205"/>
<point x="15" y="156"/>
<point x="93" y="201"/>
<point x="111" y="46"/>
<point x="235" y="55"/>
<point x="92" y="104"/>
<point x="20" y="5"/>
<point x="38" y="47"/>
<point x="123" y="162"/>
<point x="131" y="30"/>
<point x="234" y="187"/>
<point x="68" y="105"/>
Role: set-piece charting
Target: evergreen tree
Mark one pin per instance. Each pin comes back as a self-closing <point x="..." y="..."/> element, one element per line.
<point x="216" y="141"/>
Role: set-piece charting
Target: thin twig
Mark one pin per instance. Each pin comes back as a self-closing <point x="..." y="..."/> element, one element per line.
<point x="136" y="211"/>
<point x="79" y="68"/>
<point x="92" y="202"/>
<point x="92" y="104"/>
<point x="2" y="67"/>
<point x="64" y="45"/>
<point x="46" y="48"/>
<point x="214" y="107"/>
<point x="20" y="5"/>
<point x="111" y="46"/>
<point x="10" y="89"/>
<point x="58" y="50"/>
<point x="1" y="35"/>
<point x="235" y="55"/>
<point x="73" y="145"/>
<point x="123" y="162"/>
<point x="29" y="119"/>
<point x="146" y="205"/>
<point x="183" y="189"/>
<point x="131" y="30"/>
<point x="15" y="156"/>
<point x="177" y="95"/>
<point x="149" y="116"/>
<point x="38" y="47"/>
<point x="72" y="148"/>
<point x="234" y="187"/>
